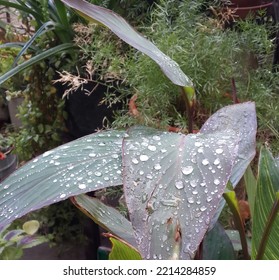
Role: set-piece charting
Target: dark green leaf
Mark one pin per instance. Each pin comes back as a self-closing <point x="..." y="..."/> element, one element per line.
<point x="16" y="45"/>
<point x="236" y="242"/>
<point x="44" y="28"/>
<point x="217" y="245"/>
<point x="21" y="7"/>
<point x="89" y="163"/>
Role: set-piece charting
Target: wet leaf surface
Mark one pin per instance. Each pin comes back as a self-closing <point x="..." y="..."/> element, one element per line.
<point x="107" y="217"/>
<point x="172" y="184"/>
<point x="87" y="164"/>
<point x="240" y="118"/>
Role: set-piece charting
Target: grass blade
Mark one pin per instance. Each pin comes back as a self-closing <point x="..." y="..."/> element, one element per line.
<point x="36" y="59"/>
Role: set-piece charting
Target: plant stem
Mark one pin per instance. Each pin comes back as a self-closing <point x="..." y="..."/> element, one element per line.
<point x="233" y="204"/>
<point x="268" y="227"/>
<point x="189" y="108"/>
<point x="234" y="92"/>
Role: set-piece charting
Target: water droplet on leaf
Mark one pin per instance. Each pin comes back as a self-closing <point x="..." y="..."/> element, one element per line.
<point x="216" y="182"/>
<point x="144" y="157"/>
<point x="179" y="185"/>
<point x="152" y="148"/>
<point x="205" y="161"/>
<point x="135" y="161"/>
<point x="98" y="173"/>
<point x="82" y="186"/>
<point x="186" y="170"/>
<point x="157" y="166"/>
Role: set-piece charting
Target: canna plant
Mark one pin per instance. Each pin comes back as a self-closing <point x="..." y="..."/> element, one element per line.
<point x="173" y="183"/>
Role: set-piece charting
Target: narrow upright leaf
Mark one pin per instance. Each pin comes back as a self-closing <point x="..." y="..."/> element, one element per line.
<point x="89" y="163"/>
<point x="128" y="34"/>
<point x="267" y="187"/>
<point x="47" y="26"/>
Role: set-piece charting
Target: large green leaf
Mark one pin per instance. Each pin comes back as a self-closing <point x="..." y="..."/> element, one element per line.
<point x="242" y="120"/>
<point x="124" y="31"/>
<point x="217" y="245"/>
<point x="89" y="163"/>
<point x="172" y="185"/>
<point x="35" y="59"/>
<point x="173" y="182"/>
<point x="265" y="221"/>
<point x="107" y="217"/>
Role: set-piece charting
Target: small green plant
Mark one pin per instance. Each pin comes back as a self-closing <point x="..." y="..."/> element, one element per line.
<point x="6" y="143"/>
<point x="14" y="241"/>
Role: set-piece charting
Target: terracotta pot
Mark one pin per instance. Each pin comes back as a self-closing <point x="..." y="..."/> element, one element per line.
<point x="243" y="8"/>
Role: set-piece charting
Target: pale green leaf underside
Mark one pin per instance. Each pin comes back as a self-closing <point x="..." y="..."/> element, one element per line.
<point x="87" y="164"/>
<point x="173" y="183"/>
<point x="241" y="119"/>
<point x="107" y="217"/>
